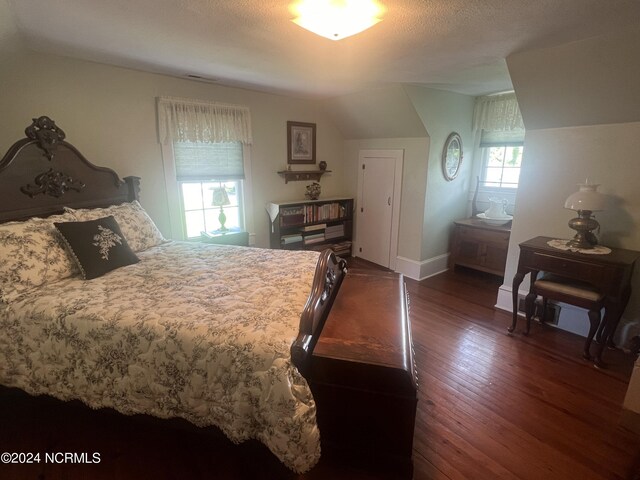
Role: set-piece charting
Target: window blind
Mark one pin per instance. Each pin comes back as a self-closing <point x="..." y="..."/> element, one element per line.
<point x="198" y="161"/>
<point x="495" y="138"/>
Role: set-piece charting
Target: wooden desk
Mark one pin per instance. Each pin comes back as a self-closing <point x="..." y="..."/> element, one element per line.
<point x="610" y="274"/>
<point x="362" y="374"/>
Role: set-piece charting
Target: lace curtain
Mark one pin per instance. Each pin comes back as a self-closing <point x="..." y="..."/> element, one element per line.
<point x="497" y="113"/>
<point x="185" y="120"/>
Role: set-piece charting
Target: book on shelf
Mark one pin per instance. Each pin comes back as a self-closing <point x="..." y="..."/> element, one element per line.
<point x="334" y="231"/>
<point x="292" y="215"/>
<point x="342" y="247"/>
<point x="311" y="228"/>
<point x="297" y="210"/>
<point x="310" y="239"/>
<point x="288" y="239"/>
<point x="293" y="219"/>
<point x="327" y="211"/>
<point x="311" y="242"/>
<point x="315" y="235"/>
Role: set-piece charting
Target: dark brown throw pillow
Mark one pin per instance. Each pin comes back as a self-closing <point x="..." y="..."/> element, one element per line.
<point x="97" y="246"/>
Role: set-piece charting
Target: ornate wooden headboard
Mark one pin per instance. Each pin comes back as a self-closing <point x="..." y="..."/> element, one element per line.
<point x="42" y="173"/>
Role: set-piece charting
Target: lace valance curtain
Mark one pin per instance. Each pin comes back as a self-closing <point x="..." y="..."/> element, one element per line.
<point x="497" y="113"/>
<point x="186" y="120"/>
<point x="499" y="120"/>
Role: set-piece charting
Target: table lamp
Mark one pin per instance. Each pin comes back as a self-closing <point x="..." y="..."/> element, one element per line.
<point x="585" y="201"/>
<point x="220" y="199"/>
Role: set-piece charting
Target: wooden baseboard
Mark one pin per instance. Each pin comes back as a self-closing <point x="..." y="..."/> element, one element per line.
<point x="630" y="420"/>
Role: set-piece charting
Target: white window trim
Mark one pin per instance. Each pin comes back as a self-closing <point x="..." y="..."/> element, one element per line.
<point x="484" y="159"/>
<point x="484" y="192"/>
<point x="174" y="198"/>
<point x="240" y="189"/>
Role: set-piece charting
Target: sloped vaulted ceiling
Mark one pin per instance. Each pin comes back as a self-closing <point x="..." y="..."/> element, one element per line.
<point x="589" y="82"/>
<point x="376" y="113"/>
<point x="456" y="45"/>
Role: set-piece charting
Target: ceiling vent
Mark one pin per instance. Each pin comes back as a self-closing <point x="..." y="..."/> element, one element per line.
<point x="200" y="78"/>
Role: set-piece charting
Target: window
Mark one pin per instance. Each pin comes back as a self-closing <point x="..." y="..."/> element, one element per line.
<point x="199" y="213"/>
<point x="206" y="153"/>
<point x="201" y="169"/>
<point x="498" y="119"/>
<point x="501" y="166"/>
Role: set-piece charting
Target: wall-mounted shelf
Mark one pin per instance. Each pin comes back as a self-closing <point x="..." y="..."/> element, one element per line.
<point x="294" y="176"/>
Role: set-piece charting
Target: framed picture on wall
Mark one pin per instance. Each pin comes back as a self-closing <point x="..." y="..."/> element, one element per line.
<point x="301" y="142"/>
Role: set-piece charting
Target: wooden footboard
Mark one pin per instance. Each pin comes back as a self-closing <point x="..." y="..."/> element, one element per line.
<point x="330" y="271"/>
<point x="363" y="376"/>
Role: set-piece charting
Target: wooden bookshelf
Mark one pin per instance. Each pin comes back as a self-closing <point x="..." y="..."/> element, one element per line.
<point x="312" y="225"/>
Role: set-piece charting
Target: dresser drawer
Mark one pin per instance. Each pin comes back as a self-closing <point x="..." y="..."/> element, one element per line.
<point x="483" y="235"/>
<point x="578" y="269"/>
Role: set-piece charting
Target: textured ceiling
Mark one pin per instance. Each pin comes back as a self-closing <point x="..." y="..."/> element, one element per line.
<point x="457" y="45"/>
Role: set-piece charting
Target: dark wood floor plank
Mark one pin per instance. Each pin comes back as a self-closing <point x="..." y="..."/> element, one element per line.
<point x="486" y="371"/>
<point x="490" y="406"/>
<point x="488" y="431"/>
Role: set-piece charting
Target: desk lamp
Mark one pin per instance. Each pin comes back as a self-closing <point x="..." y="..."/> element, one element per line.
<point x="585" y="201"/>
<point x="220" y="199"/>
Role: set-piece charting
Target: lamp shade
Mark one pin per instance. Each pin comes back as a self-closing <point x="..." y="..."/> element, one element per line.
<point x="586" y="198"/>
<point x="220" y="197"/>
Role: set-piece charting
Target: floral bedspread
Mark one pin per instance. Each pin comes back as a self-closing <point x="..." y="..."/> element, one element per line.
<point x="195" y="331"/>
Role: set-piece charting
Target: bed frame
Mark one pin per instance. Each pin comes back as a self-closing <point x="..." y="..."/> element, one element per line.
<point x="42" y="173"/>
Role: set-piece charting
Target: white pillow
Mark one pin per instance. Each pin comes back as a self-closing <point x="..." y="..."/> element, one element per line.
<point x="32" y="253"/>
<point x="136" y="226"/>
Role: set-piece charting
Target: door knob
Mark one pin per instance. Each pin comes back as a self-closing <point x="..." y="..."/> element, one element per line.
<point x="389" y="201"/>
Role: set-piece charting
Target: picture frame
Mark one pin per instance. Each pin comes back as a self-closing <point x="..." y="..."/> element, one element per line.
<point x="301" y="143"/>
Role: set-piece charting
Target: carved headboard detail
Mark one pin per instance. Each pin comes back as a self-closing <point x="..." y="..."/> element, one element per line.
<point x="52" y="183"/>
<point x="44" y="131"/>
<point x="42" y="173"/>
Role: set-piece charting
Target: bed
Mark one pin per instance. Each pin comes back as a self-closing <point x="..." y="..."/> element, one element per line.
<point x="216" y="335"/>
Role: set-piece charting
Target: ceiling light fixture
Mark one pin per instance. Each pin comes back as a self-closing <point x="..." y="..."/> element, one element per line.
<point x="337" y="19"/>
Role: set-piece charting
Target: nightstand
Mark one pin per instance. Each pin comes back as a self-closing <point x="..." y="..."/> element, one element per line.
<point x="231" y="237"/>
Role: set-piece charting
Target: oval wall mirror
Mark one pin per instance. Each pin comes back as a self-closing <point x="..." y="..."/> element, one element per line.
<point x="452" y="156"/>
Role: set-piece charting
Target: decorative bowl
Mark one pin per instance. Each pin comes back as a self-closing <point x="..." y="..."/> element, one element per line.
<point x="495" y="221"/>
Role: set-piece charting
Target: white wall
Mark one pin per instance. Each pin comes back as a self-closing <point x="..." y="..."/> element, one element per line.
<point x="385" y="118"/>
<point x="556" y="161"/>
<point x="442" y="113"/>
<point x="373" y="119"/>
<point x="580" y="103"/>
<point x="385" y="112"/>
<point x="414" y="177"/>
<point x="588" y="82"/>
<point x="575" y="146"/>
<point x="109" y="113"/>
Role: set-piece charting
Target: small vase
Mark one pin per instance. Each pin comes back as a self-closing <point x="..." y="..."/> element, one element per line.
<point x="322" y="165"/>
<point x="313" y="191"/>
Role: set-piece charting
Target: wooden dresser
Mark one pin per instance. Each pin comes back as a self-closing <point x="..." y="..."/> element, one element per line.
<point x="476" y="245"/>
<point x="362" y="374"/>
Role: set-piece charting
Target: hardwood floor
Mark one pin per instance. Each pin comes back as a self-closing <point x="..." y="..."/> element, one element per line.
<point x="490" y="406"/>
<point x="495" y="406"/>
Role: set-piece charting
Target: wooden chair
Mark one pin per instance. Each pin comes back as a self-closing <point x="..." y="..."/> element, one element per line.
<point x="568" y="291"/>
